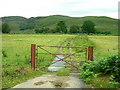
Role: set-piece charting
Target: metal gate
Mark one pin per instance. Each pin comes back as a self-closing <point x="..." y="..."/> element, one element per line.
<point x="36" y="61"/>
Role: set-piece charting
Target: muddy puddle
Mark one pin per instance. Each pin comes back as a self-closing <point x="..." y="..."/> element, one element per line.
<point x="56" y="83"/>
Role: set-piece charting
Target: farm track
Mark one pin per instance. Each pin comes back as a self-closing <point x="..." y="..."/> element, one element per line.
<point x="72" y="62"/>
<point x="71" y="56"/>
<point x="53" y="81"/>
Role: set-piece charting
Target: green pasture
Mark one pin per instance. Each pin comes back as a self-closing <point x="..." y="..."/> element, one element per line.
<point x="16" y="52"/>
<point x="105" y="46"/>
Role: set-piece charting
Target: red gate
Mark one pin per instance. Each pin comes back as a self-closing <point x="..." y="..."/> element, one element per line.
<point x="34" y="54"/>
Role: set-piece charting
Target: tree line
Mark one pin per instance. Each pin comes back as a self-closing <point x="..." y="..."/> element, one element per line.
<point x="61" y="27"/>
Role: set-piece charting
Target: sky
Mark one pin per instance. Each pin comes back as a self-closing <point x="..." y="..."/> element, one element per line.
<point x="73" y="8"/>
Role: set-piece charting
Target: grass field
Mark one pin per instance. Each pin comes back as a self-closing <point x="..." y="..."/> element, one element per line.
<point x="104" y="46"/>
<point x="16" y="53"/>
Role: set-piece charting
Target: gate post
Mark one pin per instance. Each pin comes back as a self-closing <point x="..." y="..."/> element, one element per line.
<point x="90" y="53"/>
<point x="33" y="56"/>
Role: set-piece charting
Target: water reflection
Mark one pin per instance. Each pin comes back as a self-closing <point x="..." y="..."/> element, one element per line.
<point x="57" y="64"/>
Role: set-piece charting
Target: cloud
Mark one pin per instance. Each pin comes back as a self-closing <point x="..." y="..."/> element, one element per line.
<point x="29" y="8"/>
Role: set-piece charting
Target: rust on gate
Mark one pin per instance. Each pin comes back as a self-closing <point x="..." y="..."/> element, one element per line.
<point x="34" y="53"/>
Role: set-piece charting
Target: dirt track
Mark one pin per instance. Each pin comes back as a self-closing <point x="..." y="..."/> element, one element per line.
<point x="53" y="81"/>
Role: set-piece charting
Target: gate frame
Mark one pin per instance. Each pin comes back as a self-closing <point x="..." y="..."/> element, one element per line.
<point x="34" y="53"/>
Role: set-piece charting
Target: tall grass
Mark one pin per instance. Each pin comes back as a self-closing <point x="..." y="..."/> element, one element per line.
<point x="105" y="46"/>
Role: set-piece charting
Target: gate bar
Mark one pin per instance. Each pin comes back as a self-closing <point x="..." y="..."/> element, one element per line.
<point x="59" y="46"/>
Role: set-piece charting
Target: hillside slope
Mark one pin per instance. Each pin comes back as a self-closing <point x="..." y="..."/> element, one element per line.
<point x="21" y="23"/>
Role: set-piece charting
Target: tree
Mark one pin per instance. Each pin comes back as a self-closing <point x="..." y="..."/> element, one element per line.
<point x="61" y="27"/>
<point x="74" y="29"/>
<point x="88" y="27"/>
<point x="47" y="30"/>
<point x="43" y="30"/>
<point x="5" y="28"/>
<point x="39" y="30"/>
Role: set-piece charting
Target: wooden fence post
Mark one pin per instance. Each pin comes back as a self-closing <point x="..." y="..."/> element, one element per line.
<point x="90" y="53"/>
<point x="33" y="56"/>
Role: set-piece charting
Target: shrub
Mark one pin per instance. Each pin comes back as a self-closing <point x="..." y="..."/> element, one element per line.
<point x="4" y="54"/>
<point x="110" y="65"/>
<point x="87" y="76"/>
<point x="114" y="84"/>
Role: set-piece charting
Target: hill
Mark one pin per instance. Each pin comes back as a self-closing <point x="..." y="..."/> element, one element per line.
<point x="22" y="24"/>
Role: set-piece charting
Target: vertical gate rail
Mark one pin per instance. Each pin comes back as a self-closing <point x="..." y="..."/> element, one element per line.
<point x="33" y="56"/>
<point x="90" y="53"/>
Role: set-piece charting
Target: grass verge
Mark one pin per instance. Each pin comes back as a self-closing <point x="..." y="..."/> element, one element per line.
<point x="63" y="72"/>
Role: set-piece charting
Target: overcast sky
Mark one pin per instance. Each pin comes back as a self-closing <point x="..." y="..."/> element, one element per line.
<point x="74" y="8"/>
